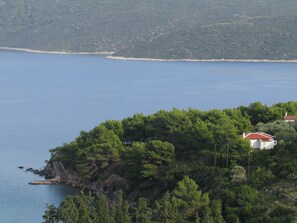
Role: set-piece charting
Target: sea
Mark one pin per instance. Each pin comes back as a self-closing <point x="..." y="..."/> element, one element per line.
<point x="46" y="100"/>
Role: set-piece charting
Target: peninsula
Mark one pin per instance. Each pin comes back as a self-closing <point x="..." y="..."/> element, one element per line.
<point x="183" y="166"/>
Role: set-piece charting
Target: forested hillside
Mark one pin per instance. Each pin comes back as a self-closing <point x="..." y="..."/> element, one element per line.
<point x="181" y="166"/>
<point x="193" y="29"/>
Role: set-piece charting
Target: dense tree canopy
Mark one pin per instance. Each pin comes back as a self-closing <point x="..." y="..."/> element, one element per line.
<point x="160" y="160"/>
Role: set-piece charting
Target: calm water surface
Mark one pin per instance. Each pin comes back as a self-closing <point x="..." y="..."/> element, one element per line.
<point x="45" y="100"/>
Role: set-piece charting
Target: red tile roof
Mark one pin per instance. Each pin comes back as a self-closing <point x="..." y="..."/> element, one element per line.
<point x="259" y="135"/>
<point x="290" y="117"/>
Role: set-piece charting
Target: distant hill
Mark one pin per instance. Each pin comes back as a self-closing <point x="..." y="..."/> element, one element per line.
<point x="193" y="29"/>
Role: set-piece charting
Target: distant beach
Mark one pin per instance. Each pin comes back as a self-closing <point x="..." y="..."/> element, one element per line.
<point x="54" y="52"/>
<point x="109" y="55"/>
<point x="200" y="60"/>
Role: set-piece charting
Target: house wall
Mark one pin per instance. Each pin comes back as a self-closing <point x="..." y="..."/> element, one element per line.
<point x="258" y="144"/>
<point x="268" y="145"/>
<point x="290" y="120"/>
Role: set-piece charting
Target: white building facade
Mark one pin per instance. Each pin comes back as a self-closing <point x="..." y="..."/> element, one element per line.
<point x="290" y="118"/>
<point x="260" y="140"/>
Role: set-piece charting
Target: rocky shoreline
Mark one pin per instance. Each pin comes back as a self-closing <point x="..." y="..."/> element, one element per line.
<point x="56" y="174"/>
<point x="55" y="180"/>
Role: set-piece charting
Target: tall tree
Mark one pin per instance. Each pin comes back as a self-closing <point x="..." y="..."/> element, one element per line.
<point x="50" y="215"/>
<point x="121" y="210"/>
<point x="82" y="202"/>
<point x="216" y="207"/>
<point x="102" y="212"/>
<point x="68" y="212"/>
<point x="142" y="212"/>
<point x="157" y="155"/>
<point x="166" y="210"/>
<point x="187" y="197"/>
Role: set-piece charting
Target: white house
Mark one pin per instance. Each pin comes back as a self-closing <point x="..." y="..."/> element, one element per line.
<point x="290" y="118"/>
<point x="260" y="140"/>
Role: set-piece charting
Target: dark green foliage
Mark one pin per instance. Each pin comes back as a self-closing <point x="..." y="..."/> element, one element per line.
<point x="115" y="126"/>
<point x="242" y="201"/>
<point x="257" y="112"/>
<point x="74" y="209"/>
<point x="106" y="149"/>
<point x="261" y="177"/>
<point x="188" y="198"/>
<point x="134" y="128"/>
<point x="157" y="155"/>
<point x="68" y="211"/>
<point x="82" y="203"/>
<point x="143" y="212"/>
<point x="50" y="214"/>
<point x="216" y="207"/>
<point x="166" y="210"/>
<point x="260" y="113"/>
<point x="102" y="212"/>
<point x="282" y="214"/>
<point x="121" y="210"/>
<point x="240" y="120"/>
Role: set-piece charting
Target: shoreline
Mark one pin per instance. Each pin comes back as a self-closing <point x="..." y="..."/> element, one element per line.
<point x="54" y="52"/>
<point x="109" y="56"/>
<point x="199" y="60"/>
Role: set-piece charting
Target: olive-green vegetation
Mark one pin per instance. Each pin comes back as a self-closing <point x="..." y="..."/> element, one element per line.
<point x="185" y="166"/>
<point x="193" y="29"/>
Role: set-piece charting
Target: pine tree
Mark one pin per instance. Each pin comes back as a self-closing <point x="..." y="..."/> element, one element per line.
<point x="50" y="215"/>
<point x="166" y="211"/>
<point x="197" y="219"/>
<point x="118" y="209"/>
<point x="187" y="197"/>
<point x="143" y="212"/>
<point x="102" y="212"/>
<point x="207" y="215"/>
<point x="121" y="210"/>
<point x="82" y="203"/>
<point x="216" y="206"/>
<point x="112" y="214"/>
<point x="126" y="216"/>
<point x="67" y="211"/>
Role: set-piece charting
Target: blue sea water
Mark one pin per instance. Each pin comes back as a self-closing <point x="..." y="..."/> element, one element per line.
<point x="45" y="100"/>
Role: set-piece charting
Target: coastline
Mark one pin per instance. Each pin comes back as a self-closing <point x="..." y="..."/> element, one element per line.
<point x="54" y="52"/>
<point x="109" y="56"/>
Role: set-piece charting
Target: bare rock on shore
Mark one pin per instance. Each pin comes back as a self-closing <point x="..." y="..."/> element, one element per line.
<point x="66" y="175"/>
<point x="55" y="180"/>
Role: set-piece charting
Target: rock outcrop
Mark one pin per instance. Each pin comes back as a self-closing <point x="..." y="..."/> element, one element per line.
<point x="66" y="176"/>
<point x="55" y="180"/>
<point x="56" y="173"/>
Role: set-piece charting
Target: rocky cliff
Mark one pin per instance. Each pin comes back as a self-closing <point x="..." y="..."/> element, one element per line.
<point x="67" y="176"/>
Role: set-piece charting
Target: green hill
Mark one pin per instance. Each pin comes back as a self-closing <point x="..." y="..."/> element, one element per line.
<point x="194" y="29"/>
